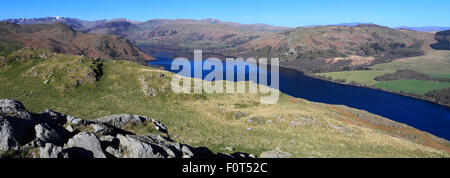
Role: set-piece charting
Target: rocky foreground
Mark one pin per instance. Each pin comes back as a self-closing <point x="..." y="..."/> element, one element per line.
<point x="54" y="135"/>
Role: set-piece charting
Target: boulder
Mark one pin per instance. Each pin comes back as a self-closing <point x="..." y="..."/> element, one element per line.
<point x="137" y="147"/>
<point x="14" y="132"/>
<point x="114" y="152"/>
<point x="8" y="106"/>
<point x="85" y="145"/>
<point x="102" y="129"/>
<point x="120" y="120"/>
<point x="277" y="153"/>
<point x="52" y="151"/>
<point x="54" y="135"/>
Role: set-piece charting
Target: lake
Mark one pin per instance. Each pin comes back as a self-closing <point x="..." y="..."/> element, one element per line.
<point x="423" y="115"/>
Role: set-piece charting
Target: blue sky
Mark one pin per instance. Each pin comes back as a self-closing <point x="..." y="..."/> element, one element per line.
<point x="290" y="13"/>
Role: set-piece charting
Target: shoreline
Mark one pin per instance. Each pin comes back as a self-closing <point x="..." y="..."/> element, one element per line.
<point x="424" y="98"/>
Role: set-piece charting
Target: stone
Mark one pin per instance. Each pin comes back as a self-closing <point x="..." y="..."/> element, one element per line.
<point x="239" y="114"/>
<point x="256" y="119"/>
<point x="187" y="153"/>
<point x="107" y="138"/>
<point x="277" y="153"/>
<point x="120" y="120"/>
<point x="137" y="148"/>
<point x="116" y="153"/>
<point x="47" y="134"/>
<point x="102" y="129"/>
<point x="14" y="132"/>
<point x="85" y="144"/>
<point x="230" y="149"/>
<point x="69" y="128"/>
<point x="52" y="151"/>
<point x="8" y="106"/>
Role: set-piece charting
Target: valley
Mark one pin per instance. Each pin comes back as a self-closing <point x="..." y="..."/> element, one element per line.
<point x="91" y="69"/>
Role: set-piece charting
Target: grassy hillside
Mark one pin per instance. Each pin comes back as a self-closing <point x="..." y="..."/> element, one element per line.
<point x="293" y="125"/>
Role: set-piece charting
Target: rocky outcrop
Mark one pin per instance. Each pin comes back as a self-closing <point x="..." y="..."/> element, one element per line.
<point x="51" y="134"/>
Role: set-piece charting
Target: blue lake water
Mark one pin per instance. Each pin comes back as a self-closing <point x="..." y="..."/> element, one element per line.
<point x="423" y="115"/>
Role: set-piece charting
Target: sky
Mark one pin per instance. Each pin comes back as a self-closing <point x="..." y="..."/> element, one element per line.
<point x="288" y="13"/>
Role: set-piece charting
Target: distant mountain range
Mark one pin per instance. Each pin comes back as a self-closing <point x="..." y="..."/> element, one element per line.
<point x="425" y="29"/>
<point x="314" y="48"/>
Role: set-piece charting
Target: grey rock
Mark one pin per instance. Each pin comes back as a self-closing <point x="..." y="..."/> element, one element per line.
<point x="78" y="121"/>
<point x="137" y="148"/>
<point x="230" y="149"/>
<point x="277" y="153"/>
<point x="69" y="128"/>
<point x="187" y="153"/>
<point x="107" y="138"/>
<point x="116" y="153"/>
<point x="14" y="132"/>
<point x="120" y="120"/>
<point x="102" y="129"/>
<point x="85" y="144"/>
<point x="8" y="106"/>
<point x="47" y="134"/>
<point x="52" y="151"/>
<point x="239" y="114"/>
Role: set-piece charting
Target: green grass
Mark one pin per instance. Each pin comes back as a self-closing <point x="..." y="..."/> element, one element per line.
<point x="201" y="119"/>
<point x="434" y="62"/>
<point x="365" y="77"/>
<point x="413" y="86"/>
<point x="440" y="75"/>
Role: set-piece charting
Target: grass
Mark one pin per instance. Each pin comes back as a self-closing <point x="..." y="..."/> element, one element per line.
<point x="365" y="77"/>
<point x="440" y="75"/>
<point x="413" y="86"/>
<point x="435" y="63"/>
<point x="201" y="119"/>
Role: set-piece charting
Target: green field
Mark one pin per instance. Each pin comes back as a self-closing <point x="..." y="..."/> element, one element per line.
<point x="434" y="63"/>
<point x="413" y="86"/>
<point x="440" y="75"/>
<point x="365" y="77"/>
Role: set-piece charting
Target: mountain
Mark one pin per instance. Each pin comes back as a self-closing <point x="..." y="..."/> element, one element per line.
<point x="61" y="38"/>
<point x="425" y="29"/>
<point x="76" y="24"/>
<point x="183" y="35"/>
<point x="443" y="39"/>
<point x="178" y="36"/>
<point x="312" y="49"/>
<point x="331" y="48"/>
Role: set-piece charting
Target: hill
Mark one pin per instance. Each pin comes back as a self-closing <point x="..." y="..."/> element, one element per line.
<point x="62" y="39"/>
<point x="334" y="48"/>
<point x="443" y="39"/>
<point x="226" y="123"/>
